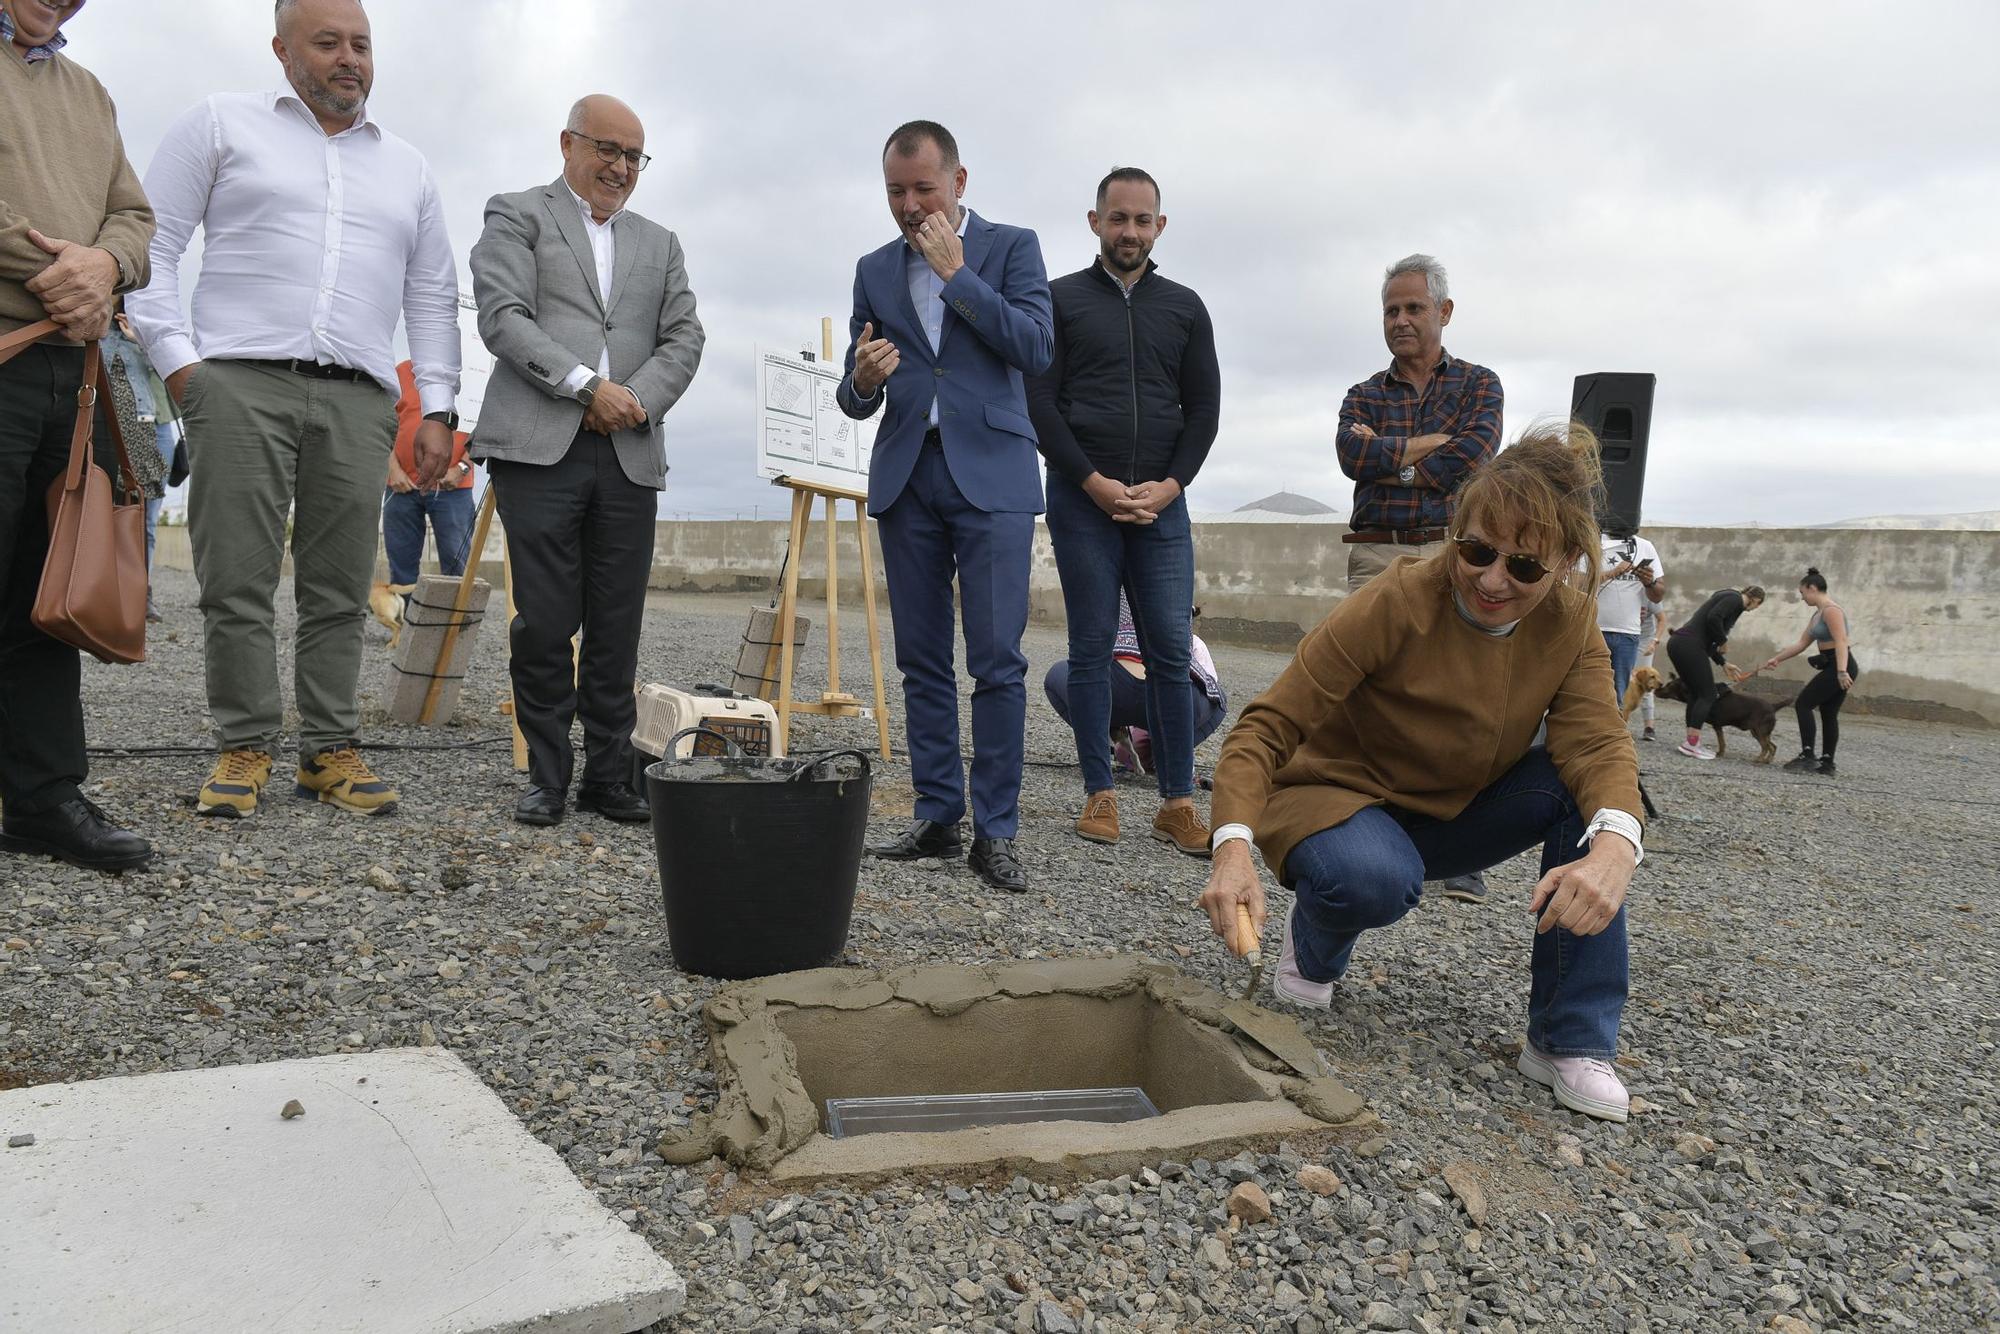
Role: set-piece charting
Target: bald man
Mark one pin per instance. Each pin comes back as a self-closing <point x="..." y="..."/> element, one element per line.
<point x="320" y="230"/>
<point x="586" y="309"/>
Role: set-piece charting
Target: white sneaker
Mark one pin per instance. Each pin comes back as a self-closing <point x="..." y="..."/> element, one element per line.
<point x="1289" y="984"/>
<point x="1695" y="752"/>
<point x="1581" y="1083"/>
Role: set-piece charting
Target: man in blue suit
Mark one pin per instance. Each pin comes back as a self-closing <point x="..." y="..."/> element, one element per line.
<point x="950" y="317"/>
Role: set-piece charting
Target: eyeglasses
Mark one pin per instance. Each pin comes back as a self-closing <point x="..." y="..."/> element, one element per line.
<point x="609" y="152"/>
<point x="1479" y="555"/>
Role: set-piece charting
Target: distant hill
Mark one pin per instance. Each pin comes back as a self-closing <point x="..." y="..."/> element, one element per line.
<point x="1979" y="521"/>
<point x="1286" y="502"/>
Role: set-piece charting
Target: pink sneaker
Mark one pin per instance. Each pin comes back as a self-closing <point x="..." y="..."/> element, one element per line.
<point x="1289" y="984"/>
<point x="1695" y="752"/>
<point x="1581" y="1083"/>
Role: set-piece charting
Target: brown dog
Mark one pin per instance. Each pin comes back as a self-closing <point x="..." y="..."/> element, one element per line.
<point x="1734" y="708"/>
<point x="385" y="601"/>
<point x="1643" y="679"/>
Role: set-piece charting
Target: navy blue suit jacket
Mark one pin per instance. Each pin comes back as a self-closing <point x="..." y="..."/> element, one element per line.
<point x="999" y="326"/>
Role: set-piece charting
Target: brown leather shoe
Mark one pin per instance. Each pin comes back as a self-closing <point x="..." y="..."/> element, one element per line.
<point x="1183" y="827"/>
<point x="1099" y="821"/>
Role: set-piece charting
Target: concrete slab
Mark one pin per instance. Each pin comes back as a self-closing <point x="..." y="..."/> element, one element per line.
<point x="406" y="1198"/>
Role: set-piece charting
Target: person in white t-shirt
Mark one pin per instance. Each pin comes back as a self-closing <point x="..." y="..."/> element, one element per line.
<point x="1632" y="574"/>
<point x="1652" y="627"/>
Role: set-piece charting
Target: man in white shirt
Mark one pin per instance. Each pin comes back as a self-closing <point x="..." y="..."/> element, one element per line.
<point x="1632" y="574"/>
<point x="321" y="228"/>
<point x="586" y="307"/>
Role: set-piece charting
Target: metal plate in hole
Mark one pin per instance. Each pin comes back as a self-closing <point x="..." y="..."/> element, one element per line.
<point x="846" y="1117"/>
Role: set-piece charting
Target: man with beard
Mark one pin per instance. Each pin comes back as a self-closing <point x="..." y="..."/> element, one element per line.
<point x="320" y="229"/>
<point x="962" y="309"/>
<point x="73" y="232"/>
<point x="1125" y="414"/>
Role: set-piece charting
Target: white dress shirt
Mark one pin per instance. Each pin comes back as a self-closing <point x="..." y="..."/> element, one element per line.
<point x="314" y="246"/>
<point x="604" y="254"/>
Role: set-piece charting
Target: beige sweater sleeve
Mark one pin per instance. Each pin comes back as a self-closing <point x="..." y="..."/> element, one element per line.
<point x="1331" y="661"/>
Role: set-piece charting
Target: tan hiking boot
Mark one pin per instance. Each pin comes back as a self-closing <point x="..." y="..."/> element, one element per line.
<point x="341" y="778"/>
<point x="1183" y="827"/>
<point x="1099" y="821"/>
<point x="232" y="787"/>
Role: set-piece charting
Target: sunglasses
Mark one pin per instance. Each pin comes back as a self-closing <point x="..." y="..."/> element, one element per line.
<point x="1521" y="569"/>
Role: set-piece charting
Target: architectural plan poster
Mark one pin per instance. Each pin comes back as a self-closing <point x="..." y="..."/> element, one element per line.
<point x="801" y="431"/>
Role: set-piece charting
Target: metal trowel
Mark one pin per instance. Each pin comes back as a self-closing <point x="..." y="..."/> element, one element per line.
<point x="1246" y="945"/>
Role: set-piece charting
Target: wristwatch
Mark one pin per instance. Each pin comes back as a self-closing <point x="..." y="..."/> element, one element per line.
<point x="1408" y="475"/>
<point x="449" y="418"/>
<point x="589" y="390"/>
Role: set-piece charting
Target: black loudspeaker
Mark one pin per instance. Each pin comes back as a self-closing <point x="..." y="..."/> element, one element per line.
<point x="1617" y="406"/>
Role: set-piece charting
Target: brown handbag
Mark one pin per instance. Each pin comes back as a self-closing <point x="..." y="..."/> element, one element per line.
<point x="93" y="590"/>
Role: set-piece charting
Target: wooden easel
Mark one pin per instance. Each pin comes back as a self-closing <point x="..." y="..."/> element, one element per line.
<point x="833" y="702"/>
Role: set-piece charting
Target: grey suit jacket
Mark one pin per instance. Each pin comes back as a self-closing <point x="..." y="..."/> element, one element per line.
<point x="540" y="315"/>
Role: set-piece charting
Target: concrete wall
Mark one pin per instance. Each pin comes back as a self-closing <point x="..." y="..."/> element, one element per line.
<point x="1925" y="605"/>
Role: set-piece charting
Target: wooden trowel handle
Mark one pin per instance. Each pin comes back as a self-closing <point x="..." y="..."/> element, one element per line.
<point x="1246" y="940"/>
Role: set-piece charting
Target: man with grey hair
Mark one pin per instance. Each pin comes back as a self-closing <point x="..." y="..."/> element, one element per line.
<point x="1409" y="437"/>
<point x="320" y="230"/>
<point x="587" y="310"/>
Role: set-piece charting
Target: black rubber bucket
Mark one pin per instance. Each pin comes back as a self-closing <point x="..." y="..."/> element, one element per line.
<point x="758" y="857"/>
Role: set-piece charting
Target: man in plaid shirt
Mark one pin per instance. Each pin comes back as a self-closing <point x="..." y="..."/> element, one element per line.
<point x="1411" y="435"/>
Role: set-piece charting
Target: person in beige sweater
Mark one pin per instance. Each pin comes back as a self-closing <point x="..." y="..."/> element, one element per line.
<point x="1401" y="745"/>
<point x="74" y="226"/>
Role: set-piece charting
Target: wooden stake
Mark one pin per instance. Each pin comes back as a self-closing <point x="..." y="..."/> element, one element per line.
<point x="874" y="631"/>
<point x="458" y="605"/>
<point x="787" y="609"/>
<point x="826" y="338"/>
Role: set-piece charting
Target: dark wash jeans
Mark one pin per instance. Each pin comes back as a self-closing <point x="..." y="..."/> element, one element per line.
<point x="450" y="513"/>
<point x="42" y="759"/>
<point x="1154" y="564"/>
<point x="1370" y="871"/>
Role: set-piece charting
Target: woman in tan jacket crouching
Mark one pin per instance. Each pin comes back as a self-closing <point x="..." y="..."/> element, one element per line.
<point x="1400" y="745"/>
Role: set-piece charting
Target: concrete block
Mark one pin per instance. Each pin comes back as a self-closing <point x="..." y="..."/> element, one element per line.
<point x="405" y="1198"/>
<point x="751" y="677"/>
<point x="416" y="658"/>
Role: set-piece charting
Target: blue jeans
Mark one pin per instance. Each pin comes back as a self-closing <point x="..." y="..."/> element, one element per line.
<point x="1370" y="871"/>
<point x="1132" y="703"/>
<point x="1624" y="657"/>
<point x="1154" y="564"/>
<point x="403" y="514"/>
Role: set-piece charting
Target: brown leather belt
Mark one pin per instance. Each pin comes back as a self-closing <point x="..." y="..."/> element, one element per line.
<point x="1402" y="537"/>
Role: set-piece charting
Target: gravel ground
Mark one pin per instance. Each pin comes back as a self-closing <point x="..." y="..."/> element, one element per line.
<point x="1811" y="1037"/>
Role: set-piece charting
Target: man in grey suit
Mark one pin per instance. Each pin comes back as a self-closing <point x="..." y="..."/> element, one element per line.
<point x="586" y="309"/>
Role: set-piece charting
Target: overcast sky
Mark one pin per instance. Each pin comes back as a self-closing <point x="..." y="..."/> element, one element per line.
<point x="1786" y="211"/>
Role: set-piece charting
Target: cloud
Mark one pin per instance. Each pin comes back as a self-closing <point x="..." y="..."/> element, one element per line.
<point x="1782" y="210"/>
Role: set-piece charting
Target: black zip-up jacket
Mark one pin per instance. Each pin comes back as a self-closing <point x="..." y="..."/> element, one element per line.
<point x="1134" y="391"/>
<point x="1712" y="624"/>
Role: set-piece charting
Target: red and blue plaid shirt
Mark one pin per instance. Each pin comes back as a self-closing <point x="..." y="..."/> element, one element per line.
<point x="1462" y="401"/>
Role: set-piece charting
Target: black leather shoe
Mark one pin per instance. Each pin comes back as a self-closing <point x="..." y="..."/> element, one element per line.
<point x="996" y="864"/>
<point x="76" y="832"/>
<point x="924" y="838"/>
<point x="614" y="801"/>
<point x="539" y="806"/>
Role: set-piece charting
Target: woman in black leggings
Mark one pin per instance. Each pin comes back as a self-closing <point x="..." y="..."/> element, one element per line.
<point x="1698" y="643"/>
<point x="1837" y="673"/>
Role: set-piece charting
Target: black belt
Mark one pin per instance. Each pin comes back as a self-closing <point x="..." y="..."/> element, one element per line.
<point x="934" y="437"/>
<point x="318" y="370"/>
<point x="1403" y="537"/>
